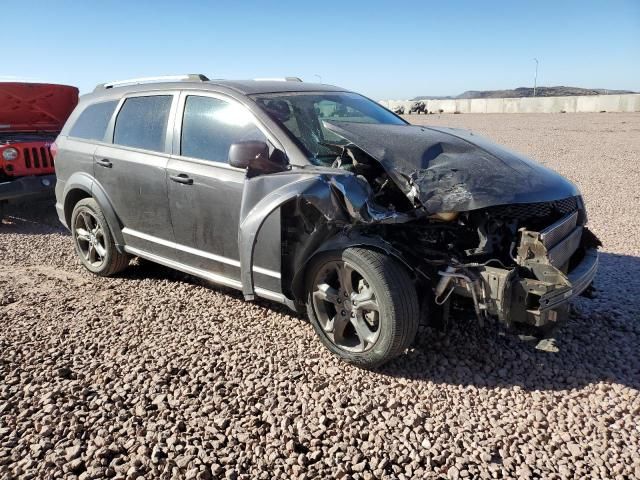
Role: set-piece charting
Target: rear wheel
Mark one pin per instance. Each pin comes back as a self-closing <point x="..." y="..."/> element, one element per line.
<point x="362" y="304"/>
<point x="92" y="239"/>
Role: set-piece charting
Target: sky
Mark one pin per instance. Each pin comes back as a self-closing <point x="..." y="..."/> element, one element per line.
<point x="383" y="49"/>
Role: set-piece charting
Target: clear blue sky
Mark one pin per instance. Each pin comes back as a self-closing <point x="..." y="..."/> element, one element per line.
<point x="390" y="49"/>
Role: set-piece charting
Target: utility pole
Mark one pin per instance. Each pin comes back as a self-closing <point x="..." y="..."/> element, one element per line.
<point x="535" y="78"/>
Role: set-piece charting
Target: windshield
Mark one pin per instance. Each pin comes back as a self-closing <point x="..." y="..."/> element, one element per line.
<point x="302" y="116"/>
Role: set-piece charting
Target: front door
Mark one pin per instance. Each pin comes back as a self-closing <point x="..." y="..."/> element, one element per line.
<point x="132" y="172"/>
<point x="205" y="192"/>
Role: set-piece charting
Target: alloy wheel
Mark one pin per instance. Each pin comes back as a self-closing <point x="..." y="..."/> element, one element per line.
<point x="346" y="306"/>
<point x="89" y="237"/>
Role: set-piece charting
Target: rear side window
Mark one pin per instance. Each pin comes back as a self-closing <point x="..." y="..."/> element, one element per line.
<point x="211" y="125"/>
<point x="92" y="122"/>
<point x="142" y="122"/>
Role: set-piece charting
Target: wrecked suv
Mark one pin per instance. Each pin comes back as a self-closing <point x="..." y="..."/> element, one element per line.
<point x="323" y="200"/>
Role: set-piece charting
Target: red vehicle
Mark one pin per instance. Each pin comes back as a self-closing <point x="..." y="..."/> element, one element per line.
<point x="31" y="116"/>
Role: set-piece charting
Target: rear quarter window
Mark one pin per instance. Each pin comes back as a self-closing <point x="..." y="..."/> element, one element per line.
<point x="142" y="122"/>
<point x="92" y="122"/>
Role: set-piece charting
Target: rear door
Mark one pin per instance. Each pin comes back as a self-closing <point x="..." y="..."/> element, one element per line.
<point x="75" y="151"/>
<point x="205" y="192"/>
<point x="132" y="170"/>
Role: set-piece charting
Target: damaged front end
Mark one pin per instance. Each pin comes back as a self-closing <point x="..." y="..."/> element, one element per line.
<point x="546" y="269"/>
<point x="466" y="217"/>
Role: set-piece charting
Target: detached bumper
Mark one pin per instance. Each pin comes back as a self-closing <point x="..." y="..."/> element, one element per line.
<point x="535" y="301"/>
<point x="551" y="267"/>
<point x="28" y="187"/>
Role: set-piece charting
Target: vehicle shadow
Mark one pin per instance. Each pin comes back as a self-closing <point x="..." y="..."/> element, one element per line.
<point x="599" y="343"/>
<point x="37" y="217"/>
<point x="141" y="269"/>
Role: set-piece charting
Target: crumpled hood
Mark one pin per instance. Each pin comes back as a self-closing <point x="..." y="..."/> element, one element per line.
<point x="453" y="170"/>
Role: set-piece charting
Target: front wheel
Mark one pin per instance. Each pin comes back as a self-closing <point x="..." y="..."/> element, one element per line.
<point x="362" y="304"/>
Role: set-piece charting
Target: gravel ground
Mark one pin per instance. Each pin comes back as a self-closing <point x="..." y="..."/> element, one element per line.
<point x="155" y="374"/>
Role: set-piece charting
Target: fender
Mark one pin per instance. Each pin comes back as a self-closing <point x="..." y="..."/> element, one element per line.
<point x="115" y="225"/>
<point x="253" y="214"/>
<point x="341" y="197"/>
<point x="344" y="239"/>
<point x="78" y="181"/>
<point x="85" y="182"/>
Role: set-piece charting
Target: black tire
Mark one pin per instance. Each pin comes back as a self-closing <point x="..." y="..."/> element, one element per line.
<point x="108" y="261"/>
<point x="398" y="313"/>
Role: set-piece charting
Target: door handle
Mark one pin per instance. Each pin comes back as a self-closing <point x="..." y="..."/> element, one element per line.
<point x="103" y="162"/>
<point x="182" y="178"/>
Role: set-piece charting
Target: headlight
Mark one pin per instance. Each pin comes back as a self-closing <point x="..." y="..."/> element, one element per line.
<point x="10" y="154"/>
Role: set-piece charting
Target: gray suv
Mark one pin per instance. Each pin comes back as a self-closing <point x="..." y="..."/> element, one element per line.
<point x="321" y="199"/>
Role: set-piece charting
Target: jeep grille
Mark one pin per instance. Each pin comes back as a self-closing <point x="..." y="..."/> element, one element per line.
<point x="37" y="157"/>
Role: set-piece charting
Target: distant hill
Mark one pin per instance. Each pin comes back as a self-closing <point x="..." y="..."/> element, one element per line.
<point x="528" y="92"/>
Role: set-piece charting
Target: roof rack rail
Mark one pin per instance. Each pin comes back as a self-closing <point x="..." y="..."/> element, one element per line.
<point x="191" y="77"/>
<point x="279" y="79"/>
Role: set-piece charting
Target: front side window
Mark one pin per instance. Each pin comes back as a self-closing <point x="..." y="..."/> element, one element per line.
<point x="92" y="122"/>
<point x="302" y="116"/>
<point x="142" y="122"/>
<point x="211" y="125"/>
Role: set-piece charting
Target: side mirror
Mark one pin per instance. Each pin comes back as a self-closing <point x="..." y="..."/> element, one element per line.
<point x="254" y="155"/>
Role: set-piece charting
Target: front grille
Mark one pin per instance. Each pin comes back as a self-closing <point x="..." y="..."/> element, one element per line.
<point x="561" y="239"/>
<point x="535" y="216"/>
<point x="37" y="157"/>
<point x="567" y="205"/>
<point x="560" y="254"/>
<point x="553" y="234"/>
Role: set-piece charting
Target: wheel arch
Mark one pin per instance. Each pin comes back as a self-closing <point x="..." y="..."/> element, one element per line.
<point x="82" y="186"/>
<point x="77" y="187"/>
<point x="72" y="197"/>
<point x="342" y="241"/>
